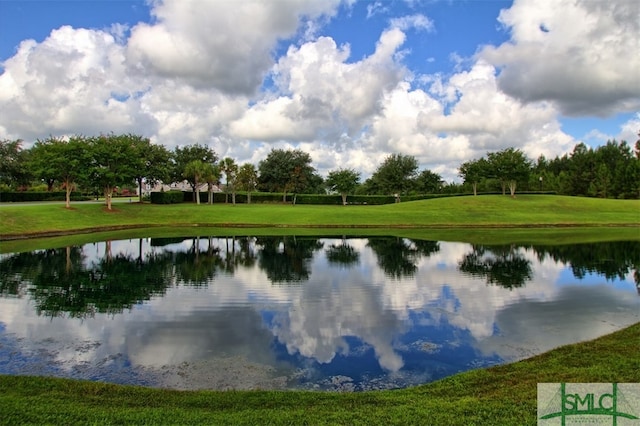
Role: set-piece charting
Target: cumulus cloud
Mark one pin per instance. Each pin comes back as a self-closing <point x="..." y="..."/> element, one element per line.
<point x="462" y="117"/>
<point x="73" y="82"/>
<point x="178" y="82"/>
<point x="226" y="45"/>
<point x="581" y="55"/>
<point x="630" y="130"/>
<point x="324" y="94"/>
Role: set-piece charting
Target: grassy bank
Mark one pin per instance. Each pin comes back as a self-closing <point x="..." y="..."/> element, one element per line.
<point x="485" y="236"/>
<point x="504" y="395"/>
<point x="459" y="212"/>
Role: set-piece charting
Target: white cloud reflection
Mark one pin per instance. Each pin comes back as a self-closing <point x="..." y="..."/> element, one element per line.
<point x="315" y="319"/>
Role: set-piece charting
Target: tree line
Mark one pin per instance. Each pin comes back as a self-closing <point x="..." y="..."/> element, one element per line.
<point x="100" y="164"/>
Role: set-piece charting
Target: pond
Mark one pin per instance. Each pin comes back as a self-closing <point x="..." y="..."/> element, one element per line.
<point x="340" y="313"/>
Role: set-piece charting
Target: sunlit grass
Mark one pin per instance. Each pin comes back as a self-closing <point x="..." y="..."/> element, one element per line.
<point x="491" y="236"/>
<point x="460" y="212"/>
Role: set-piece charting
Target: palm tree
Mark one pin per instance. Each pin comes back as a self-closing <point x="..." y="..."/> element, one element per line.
<point x="196" y="170"/>
<point x="212" y="177"/>
<point x="230" y="169"/>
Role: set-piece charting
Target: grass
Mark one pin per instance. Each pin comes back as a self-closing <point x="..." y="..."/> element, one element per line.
<point x="504" y="395"/>
<point x="490" y="236"/>
<point x="457" y="212"/>
<point x="500" y="395"/>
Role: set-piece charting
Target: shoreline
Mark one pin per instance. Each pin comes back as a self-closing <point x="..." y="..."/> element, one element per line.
<point x="108" y="228"/>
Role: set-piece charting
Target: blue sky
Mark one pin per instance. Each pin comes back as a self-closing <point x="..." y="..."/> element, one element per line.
<point x="350" y="82"/>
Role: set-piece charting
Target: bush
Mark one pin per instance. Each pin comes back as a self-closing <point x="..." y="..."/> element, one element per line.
<point x="319" y="199"/>
<point x="17" y="197"/>
<point x="169" y="197"/>
<point x="374" y="200"/>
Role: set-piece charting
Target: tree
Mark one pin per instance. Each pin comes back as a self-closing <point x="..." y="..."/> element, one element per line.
<point x="395" y="175"/>
<point x="473" y="172"/>
<point x="617" y="158"/>
<point x="344" y="181"/>
<point x="211" y="175"/>
<point x="113" y="162"/>
<point x="195" y="171"/>
<point x="154" y="162"/>
<point x="58" y="160"/>
<point x="13" y="163"/>
<point x="183" y="156"/>
<point x="510" y="166"/>
<point x="428" y="182"/>
<point x="581" y="170"/>
<point x="287" y="171"/>
<point x="247" y="179"/>
<point x="230" y="169"/>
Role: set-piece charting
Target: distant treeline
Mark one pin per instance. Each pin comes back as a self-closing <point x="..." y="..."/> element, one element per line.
<point x="128" y="164"/>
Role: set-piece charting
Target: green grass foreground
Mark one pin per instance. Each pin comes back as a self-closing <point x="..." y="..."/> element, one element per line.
<point x="456" y="212"/>
<point x="502" y="395"/>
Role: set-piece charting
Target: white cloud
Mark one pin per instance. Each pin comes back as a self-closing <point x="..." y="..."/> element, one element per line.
<point x="324" y="95"/>
<point x="376" y="8"/>
<point x="630" y="131"/>
<point x="75" y="81"/>
<point x="226" y="45"/>
<point x="192" y="85"/>
<point x="417" y="21"/>
<point x="582" y="55"/>
<point x="460" y="118"/>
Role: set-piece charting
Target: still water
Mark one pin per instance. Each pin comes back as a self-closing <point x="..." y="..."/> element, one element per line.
<point x="303" y="313"/>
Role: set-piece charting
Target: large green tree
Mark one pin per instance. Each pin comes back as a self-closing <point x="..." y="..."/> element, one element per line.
<point x="581" y="170"/>
<point x="196" y="171"/>
<point x="14" y="171"/>
<point x="428" y="182"/>
<point x="113" y="162"/>
<point x="154" y="162"/>
<point x="185" y="155"/>
<point x="287" y="171"/>
<point x="473" y="172"/>
<point x="65" y="161"/>
<point x="395" y="175"/>
<point x="615" y="170"/>
<point x="247" y="179"/>
<point x="343" y="181"/>
<point x="511" y="167"/>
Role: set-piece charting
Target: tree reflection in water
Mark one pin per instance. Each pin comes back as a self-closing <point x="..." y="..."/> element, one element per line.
<point x="287" y="259"/>
<point x="500" y="265"/>
<point x="398" y="257"/>
<point x="63" y="281"/>
<point x="342" y="254"/>
<point x="305" y="311"/>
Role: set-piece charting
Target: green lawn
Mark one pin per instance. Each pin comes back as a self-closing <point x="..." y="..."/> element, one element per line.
<point x="503" y="395"/>
<point x="458" y="212"/>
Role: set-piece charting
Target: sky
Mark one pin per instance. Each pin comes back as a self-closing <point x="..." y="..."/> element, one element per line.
<point x="349" y="82"/>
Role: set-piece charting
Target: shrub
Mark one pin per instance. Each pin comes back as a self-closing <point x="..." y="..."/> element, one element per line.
<point x="169" y="197"/>
<point x="17" y="197"/>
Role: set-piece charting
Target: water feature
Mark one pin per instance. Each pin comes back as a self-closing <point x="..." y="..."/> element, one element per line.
<point x="352" y="313"/>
